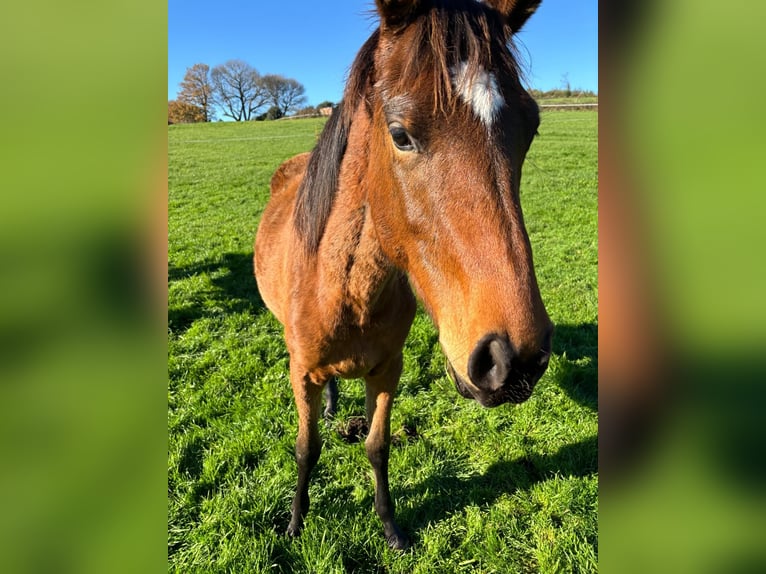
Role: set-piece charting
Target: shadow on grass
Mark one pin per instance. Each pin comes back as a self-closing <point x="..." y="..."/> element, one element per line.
<point x="451" y="491"/>
<point x="233" y="289"/>
<point x="448" y="493"/>
<point x="574" y="343"/>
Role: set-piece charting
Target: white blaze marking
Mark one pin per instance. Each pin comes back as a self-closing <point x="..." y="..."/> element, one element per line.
<point x="480" y="91"/>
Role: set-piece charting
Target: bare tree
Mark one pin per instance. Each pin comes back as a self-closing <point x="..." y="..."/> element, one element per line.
<point x="197" y="90"/>
<point x="238" y="89"/>
<point x="284" y="93"/>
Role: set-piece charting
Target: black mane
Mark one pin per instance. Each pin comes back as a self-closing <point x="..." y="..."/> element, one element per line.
<point x="316" y="193"/>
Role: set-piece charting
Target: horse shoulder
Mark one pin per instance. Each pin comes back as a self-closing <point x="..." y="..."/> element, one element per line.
<point x="274" y="242"/>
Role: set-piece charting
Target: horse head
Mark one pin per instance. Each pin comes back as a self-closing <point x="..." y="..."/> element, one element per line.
<point x="450" y="128"/>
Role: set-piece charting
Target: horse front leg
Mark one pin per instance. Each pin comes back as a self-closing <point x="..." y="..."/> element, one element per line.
<point x="308" y="445"/>
<point x="381" y="387"/>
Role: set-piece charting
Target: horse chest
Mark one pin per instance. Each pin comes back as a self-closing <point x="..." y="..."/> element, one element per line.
<point x="347" y="336"/>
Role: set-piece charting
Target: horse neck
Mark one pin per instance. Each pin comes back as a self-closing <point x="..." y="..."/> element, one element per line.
<point x="351" y="262"/>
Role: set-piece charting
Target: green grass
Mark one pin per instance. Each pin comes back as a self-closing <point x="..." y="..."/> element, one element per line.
<point x="512" y="489"/>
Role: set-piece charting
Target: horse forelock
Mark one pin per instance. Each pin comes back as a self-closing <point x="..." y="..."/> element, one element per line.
<point x="455" y="43"/>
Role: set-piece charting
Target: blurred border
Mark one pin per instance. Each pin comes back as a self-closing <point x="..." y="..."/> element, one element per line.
<point x="82" y="292"/>
<point x="681" y="284"/>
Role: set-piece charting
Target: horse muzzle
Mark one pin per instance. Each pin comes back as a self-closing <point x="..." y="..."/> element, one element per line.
<point x="497" y="376"/>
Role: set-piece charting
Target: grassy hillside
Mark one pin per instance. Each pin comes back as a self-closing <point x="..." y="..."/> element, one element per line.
<point x="512" y="489"/>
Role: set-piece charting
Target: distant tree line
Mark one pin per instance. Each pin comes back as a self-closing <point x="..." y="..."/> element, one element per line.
<point x="234" y="90"/>
<point x="565" y="92"/>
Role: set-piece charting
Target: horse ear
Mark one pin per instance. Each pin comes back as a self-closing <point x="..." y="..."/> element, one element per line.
<point x="395" y="14"/>
<point x="516" y="12"/>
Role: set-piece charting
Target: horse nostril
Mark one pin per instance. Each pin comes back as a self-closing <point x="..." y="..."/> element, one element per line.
<point x="490" y="362"/>
<point x="545" y="357"/>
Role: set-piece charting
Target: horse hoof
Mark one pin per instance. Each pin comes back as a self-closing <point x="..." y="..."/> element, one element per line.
<point x="294" y="531"/>
<point x="398" y="541"/>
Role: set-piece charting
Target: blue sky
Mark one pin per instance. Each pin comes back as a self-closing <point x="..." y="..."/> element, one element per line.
<point x="316" y="45"/>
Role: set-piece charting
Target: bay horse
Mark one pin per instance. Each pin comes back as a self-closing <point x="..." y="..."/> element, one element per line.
<point x="413" y="183"/>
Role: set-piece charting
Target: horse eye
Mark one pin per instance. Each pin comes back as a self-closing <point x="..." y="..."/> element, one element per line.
<point x="401" y="138"/>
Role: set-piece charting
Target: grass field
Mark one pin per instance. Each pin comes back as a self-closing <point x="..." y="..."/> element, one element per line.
<point x="512" y="489"/>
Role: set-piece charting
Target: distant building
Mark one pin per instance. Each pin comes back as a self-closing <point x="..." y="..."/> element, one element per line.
<point x="326" y="111"/>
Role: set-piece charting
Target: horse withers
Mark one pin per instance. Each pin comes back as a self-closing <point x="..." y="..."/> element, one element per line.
<point x="414" y="182"/>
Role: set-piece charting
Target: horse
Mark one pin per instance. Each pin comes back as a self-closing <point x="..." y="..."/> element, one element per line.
<point x="413" y="185"/>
